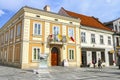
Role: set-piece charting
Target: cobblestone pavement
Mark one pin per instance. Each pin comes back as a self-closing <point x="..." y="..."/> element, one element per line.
<point x="60" y="73"/>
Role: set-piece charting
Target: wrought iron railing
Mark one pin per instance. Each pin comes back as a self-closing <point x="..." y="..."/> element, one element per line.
<point x="56" y="38"/>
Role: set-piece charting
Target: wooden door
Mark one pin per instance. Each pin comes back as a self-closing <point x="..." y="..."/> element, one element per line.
<point x="54" y="59"/>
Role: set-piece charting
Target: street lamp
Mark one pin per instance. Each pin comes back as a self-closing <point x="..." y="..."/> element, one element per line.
<point x="119" y="58"/>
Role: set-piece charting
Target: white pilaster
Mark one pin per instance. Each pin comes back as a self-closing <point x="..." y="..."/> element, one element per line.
<point x="64" y="48"/>
<point x="89" y="57"/>
<point x="106" y="57"/>
<point x="25" y="44"/>
<point x="47" y="33"/>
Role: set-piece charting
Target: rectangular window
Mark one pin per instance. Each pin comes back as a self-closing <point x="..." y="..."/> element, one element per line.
<point x="56" y="32"/>
<point x="11" y="33"/>
<point x="36" y="54"/>
<point x="109" y="40"/>
<point x="18" y="29"/>
<point x="117" y="41"/>
<point x="71" y="32"/>
<point x="101" y="39"/>
<point x="71" y="54"/>
<point x="83" y="37"/>
<point x="92" y="38"/>
<point x="116" y="28"/>
<point x="37" y="29"/>
<point x="103" y="56"/>
<point x="6" y="36"/>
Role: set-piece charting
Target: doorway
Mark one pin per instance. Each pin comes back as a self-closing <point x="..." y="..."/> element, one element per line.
<point x="94" y="58"/>
<point x="55" y="56"/>
<point x="84" y="59"/>
<point x="110" y="58"/>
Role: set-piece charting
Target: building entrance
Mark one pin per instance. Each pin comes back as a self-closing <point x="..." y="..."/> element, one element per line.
<point x="84" y="59"/>
<point x="55" y="56"/>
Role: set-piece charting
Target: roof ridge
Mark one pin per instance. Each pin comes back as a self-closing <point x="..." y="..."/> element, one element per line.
<point x="89" y="21"/>
<point x="76" y="12"/>
<point x="102" y="23"/>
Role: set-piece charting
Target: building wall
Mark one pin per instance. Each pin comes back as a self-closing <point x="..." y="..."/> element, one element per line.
<point x="42" y="42"/>
<point x="11" y="46"/>
<point x="17" y="50"/>
<point x="97" y="47"/>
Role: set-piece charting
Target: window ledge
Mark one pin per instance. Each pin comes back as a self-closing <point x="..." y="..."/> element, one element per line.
<point x="37" y="35"/>
<point x="35" y="60"/>
<point x="18" y="36"/>
<point x="102" y="44"/>
<point x="93" y="43"/>
<point x="71" y="60"/>
<point x="84" y="42"/>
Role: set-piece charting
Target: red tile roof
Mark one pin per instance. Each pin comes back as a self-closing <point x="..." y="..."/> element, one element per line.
<point x="88" y="21"/>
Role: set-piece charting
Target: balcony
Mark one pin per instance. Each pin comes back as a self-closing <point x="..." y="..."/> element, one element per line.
<point x="56" y="39"/>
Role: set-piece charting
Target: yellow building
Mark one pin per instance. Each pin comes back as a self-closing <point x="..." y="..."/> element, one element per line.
<point x="32" y="32"/>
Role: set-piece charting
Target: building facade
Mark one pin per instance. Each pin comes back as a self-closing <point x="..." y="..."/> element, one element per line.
<point x="96" y="39"/>
<point x="31" y="33"/>
<point x="115" y="25"/>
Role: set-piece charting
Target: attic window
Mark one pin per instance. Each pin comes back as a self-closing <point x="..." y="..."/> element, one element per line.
<point x="70" y="22"/>
<point x="56" y="19"/>
<point x="37" y="16"/>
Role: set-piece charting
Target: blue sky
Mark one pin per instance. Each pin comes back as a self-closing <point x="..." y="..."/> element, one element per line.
<point x="105" y="10"/>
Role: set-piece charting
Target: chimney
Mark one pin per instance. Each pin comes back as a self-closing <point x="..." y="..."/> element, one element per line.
<point x="47" y="8"/>
<point x="95" y="18"/>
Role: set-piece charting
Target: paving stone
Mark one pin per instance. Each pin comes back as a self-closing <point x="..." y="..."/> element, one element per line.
<point x="60" y="73"/>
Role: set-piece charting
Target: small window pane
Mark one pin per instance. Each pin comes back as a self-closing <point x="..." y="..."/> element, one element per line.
<point x="38" y="29"/>
<point x="34" y="53"/>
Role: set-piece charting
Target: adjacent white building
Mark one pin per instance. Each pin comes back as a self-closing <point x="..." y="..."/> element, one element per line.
<point x="96" y="39"/>
<point x="95" y="44"/>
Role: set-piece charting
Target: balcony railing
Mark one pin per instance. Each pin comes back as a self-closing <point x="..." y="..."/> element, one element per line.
<point x="56" y="39"/>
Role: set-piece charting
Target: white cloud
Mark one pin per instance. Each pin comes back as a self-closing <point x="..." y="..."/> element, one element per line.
<point x="102" y="9"/>
<point x="108" y="1"/>
<point x="14" y="5"/>
<point x="1" y="12"/>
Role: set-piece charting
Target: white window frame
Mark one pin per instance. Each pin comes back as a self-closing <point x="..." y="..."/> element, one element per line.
<point x="5" y="55"/>
<point x="71" y="56"/>
<point x="83" y="37"/>
<point x="36" y="34"/>
<point x="11" y="34"/>
<point x="54" y="31"/>
<point x="37" y="59"/>
<point x="109" y="40"/>
<point x="6" y="36"/>
<point x="93" y="38"/>
<point x="116" y="28"/>
<point x="101" y="39"/>
<point x="69" y="32"/>
<point x="56" y="34"/>
<point x="18" y="29"/>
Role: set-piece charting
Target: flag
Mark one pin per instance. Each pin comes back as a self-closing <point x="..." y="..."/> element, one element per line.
<point x="50" y="36"/>
<point x="59" y="37"/>
<point x="68" y="38"/>
<point x="72" y="39"/>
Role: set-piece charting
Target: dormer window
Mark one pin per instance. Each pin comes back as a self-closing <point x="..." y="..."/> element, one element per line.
<point x="115" y="28"/>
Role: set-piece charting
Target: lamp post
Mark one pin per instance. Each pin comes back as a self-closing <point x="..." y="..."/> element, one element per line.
<point x="119" y="58"/>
